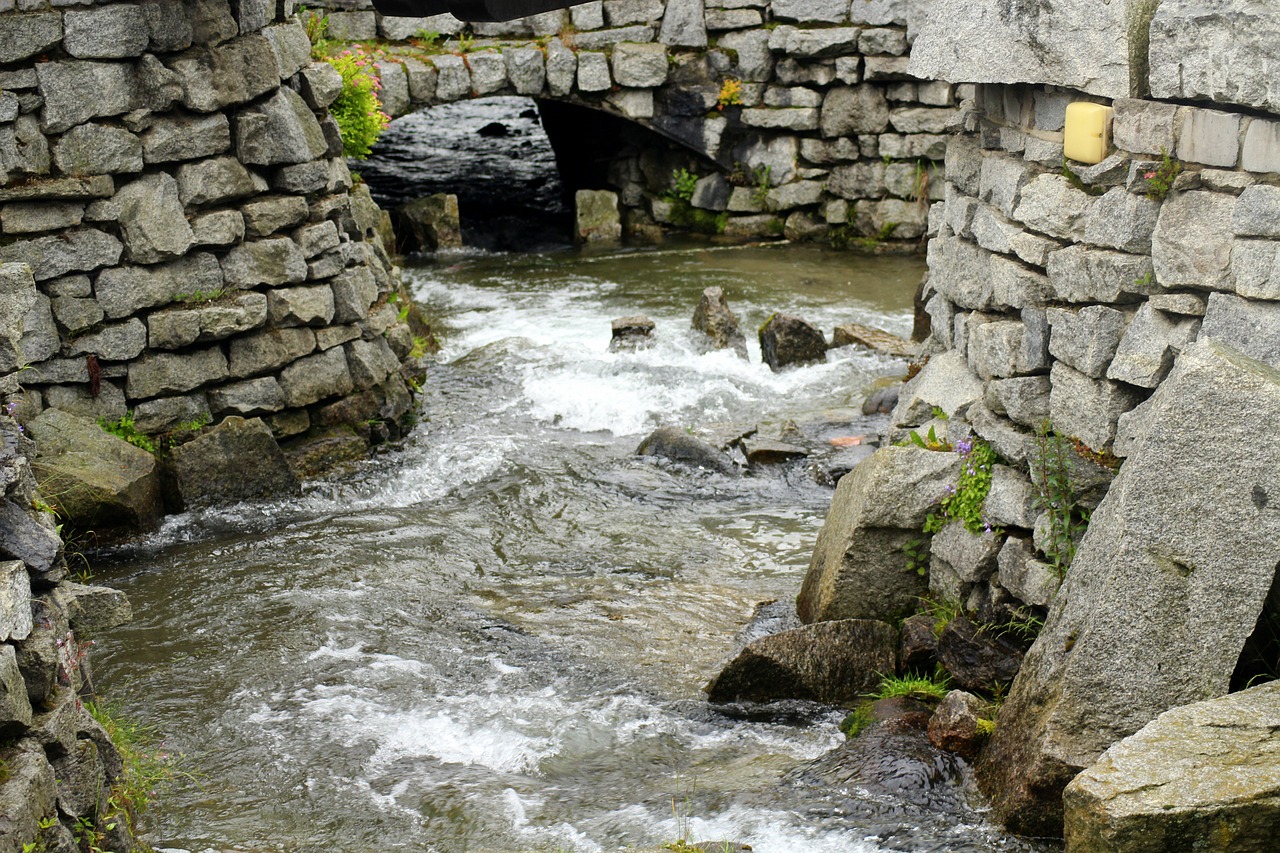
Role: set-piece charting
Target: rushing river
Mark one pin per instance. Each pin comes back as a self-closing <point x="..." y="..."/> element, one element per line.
<point x="496" y="638"/>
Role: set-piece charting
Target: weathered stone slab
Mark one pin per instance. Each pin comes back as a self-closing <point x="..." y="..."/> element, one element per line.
<point x="1199" y="777"/>
<point x="94" y="149"/>
<point x="273" y="261"/>
<point x="235" y="461"/>
<point x="1074" y="43"/>
<point x="858" y="569"/>
<point x="1222" y="52"/>
<point x="1150" y="343"/>
<point x="213" y="78"/>
<point x="279" y="131"/>
<point x="78" y="250"/>
<point x="1086" y="408"/>
<point x="1252" y="327"/>
<point x="216" y="180"/>
<point x="1153" y="564"/>
<point x="123" y="290"/>
<point x="1191" y="246"/>
<point x="269" y="351"/>
<point x="152" y="220"/>
<point x="1086" y="339"/>
<point x="1083" y="274"/>
<point x="162" y="373"/>
<point x="831" y="662"/>
<point x="316" y="377"/>
<point x="100" y="482"/>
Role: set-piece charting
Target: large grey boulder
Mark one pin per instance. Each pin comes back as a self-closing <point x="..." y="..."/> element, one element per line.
<point x="859" y="569"/>
<point x="1158" y="603"/>
<point x="235" y="461"/>
<point x="1215" y="50"/>
<point x="1201" y="777"/>
<point x="97" y="481"/>
<point x="827" y="662"/>
<point x="717" y="322"/>
<point x="598" y="220"/>
<point x="1081" y="44"/>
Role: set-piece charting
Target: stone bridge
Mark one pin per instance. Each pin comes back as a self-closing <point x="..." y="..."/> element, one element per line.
<point x="851" y="142"/>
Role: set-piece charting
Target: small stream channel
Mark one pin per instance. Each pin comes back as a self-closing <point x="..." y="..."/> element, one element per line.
<point x="496" y="637"/>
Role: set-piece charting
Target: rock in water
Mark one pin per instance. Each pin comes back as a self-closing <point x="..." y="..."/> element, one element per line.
<point x="714" y="319"/>
<point x="236" y="460"/>
<point x="859" y="569"/>
<point x="1166" y="587"/>
<point x="433" y="222"/>
<point x="1201" y="777"/>
<point x="677" y="445"/>
<point x="827" y="662"/>
<point x="631" y="333"/>
<point x="788" y="340"/>
<point x="954" y="724"/>
<point x="876" y="340"/>
<point x="598" y="220"/>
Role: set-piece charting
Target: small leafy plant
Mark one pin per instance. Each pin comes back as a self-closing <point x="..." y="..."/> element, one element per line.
<point x="126" y="429"/>
<point x="1159" y="181"/>
<point x="683" y="183"/>
<point x="730" y="93"/>
<point x="1058" y="499"/>
<point x="917" y="552"/>
<point x="964" y="501"/>
<point x="358" y="109"/>
<point x="762" y="177"/>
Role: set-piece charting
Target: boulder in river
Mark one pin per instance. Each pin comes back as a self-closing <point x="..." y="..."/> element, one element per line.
<point x="631" y="333"/>
<point x="882" y="400"/>
<point x="769" y="451"/>
<point x="97" y="481"/>
<point x="1202" y="777"/>
<point x="718" y="323"/>
<point x="236" y="460"/>
<point x="827" y="662"/>
<point x="786" y="340"/>
<point x="1165" y="590"/>
<point x="861" y="568"/>
<point x="598" y="220"/>
<point x="955" y="724"/>
<point x="876" y="340"/>
<point x="432" y="222"/>
<point x="676" y="445"/>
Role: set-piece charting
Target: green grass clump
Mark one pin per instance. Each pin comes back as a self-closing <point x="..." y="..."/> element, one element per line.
<point x="858" y="720"/>
<point x="921" y="688"/>
<point x="124" y="428"/>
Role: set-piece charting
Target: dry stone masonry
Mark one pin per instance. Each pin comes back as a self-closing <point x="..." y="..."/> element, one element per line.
<point x="178" y="231"/>
<point x="829" y="138"/>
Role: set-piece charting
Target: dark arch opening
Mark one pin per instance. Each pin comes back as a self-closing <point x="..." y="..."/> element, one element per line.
<point x="515" y="165"/>
<point x="1260" y="659"/>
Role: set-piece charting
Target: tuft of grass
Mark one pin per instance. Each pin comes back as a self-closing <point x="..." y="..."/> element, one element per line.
<point x="921" y="688"/>
<point x="148" y="767"/>
<point x="858" y="720"/>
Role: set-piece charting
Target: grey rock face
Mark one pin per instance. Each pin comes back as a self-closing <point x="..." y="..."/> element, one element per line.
<point x="433" y="221"/>
<point x="92" y="149"/>
<point x="184" y="326"/>
<point x="858" y="569"/>
<point x="234" y="73"/>
<point x="639" y="65"/>
<point x="15" y="601"/>
<point x="316" y="377"/>
<point x="152" y="220"/>
<point x="1153" y="564"/>
<point x="23" y="36"/>
<point x="1191" y="246"/>
<point x="215" y="180"/>
<point x="597" y="216"/>
<point x="1149" y="345"/>
<point x="279" y="131"/>
<point x="274" y="261"/>
<point x="946" y="382"/>
<point x="236" y="460"/>
<point x="1244" y="324"/>
<point x="80" y="250"/>
<point x="1074" y="43"/>
<point x="1182" y="778"/>
<point x="270" y="350"/>
<point x="1086" y="339"/>
<point x="76" y="91"/>
<point x="848" y="110"/>
<point x="101" y="482"/>
<point x="123" y="290"/>
<point x="1202" y="52"/>
<point x="684" y="24"/>
<point x="162" y="373"/>
<point x="826" y="662"/>
<point x="1086" y="408"/>
<point x="106" y="33"/>
<point x="186" y="138"/>
<point x="526" y="68"/>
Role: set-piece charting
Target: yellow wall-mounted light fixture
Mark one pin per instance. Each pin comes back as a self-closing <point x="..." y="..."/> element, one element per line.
<point x="1088" y="132"/>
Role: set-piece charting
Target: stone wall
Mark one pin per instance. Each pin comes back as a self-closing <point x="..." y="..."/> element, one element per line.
<point x="852" y="142"/>
<point x="178" y="226"/>
<point x="58" y="766"/>
<point x="1132" y="308"/>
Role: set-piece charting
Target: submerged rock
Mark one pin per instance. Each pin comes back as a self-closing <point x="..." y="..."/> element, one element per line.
<point x="827" y="662"/>
<point x="676" y="445"/>
<point x="718" y="323"/>
<point x="1165" y="590"/>
<point x="433" y="222"/>
<point x="882" y="400"/>
<point x="631" y="333"/>
<point x="236" y="460"/>
<point x="876" y="340"/>
<point x="1202" y="777"/>
<point x="786" y="340"/>
<point x="768" y="451"/>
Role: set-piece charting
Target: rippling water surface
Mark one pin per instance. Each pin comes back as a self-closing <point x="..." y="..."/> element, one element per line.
<point x="496" y="637"/>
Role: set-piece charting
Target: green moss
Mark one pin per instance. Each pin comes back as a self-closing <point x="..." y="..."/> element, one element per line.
<point x="858" y="720"/>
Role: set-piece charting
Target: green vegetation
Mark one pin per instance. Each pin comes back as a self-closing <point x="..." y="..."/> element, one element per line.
<point x="930" y="440"/>
<point x="964" y="501"/>
<point x="1160" y="179"/>
<point x="918" y="552"/>
<point x="124" y="428"/>
<point x="357" y="109"/>
<point x="683" y="183"/>
<point x="858" y="720"/>
<point x="147" y="769"/>
<point x="921" y="688"/>
<point x="1067" y="517"/>
<point x="761" y="177"/>
<point x="730" y="93"/>
<point x="942" y="612"/>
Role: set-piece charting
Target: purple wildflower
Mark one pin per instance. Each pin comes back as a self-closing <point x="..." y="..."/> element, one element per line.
<point x="964" y="446"/>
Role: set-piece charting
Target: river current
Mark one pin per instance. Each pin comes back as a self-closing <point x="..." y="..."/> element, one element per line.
<point x="496" y="637"/>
